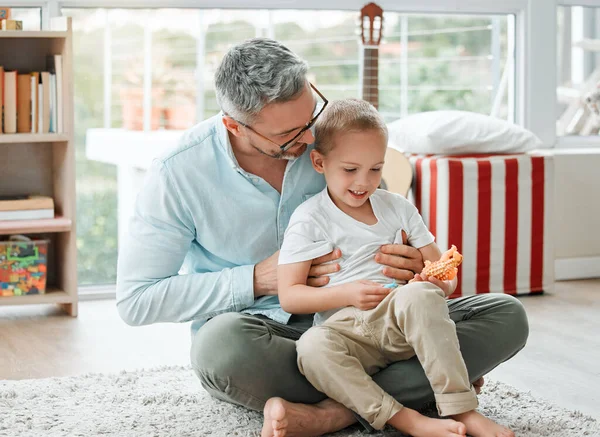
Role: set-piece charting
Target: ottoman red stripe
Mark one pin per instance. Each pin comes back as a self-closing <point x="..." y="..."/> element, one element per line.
<point x="455" y="220"/>
<point x="433" y="196"/>
<point x="511" y="226"/>
<point x="418" y="184"/>
<point x="484" y="225"/>
<point x="537" y="223"/>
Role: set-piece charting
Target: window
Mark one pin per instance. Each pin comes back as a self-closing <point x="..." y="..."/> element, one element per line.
<point x="152" y="69"/>
<point x="433" y="62"/>
<point x="578" y="71"/>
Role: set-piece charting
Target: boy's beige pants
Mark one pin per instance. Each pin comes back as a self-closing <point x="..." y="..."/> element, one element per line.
<point x="339" y="356"/>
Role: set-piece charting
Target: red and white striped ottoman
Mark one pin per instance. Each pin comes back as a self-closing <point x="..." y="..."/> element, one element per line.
<point x="497" y="210"/>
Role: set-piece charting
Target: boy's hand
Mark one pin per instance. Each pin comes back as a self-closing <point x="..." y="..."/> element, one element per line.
<point x="365" y="295"/>
<point x="318" y="269"/>
<point x="400" y="260"/>
<point x="445" y="286"/>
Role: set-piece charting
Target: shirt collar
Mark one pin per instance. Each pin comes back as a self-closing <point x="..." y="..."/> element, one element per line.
<point x="224" y="143"/>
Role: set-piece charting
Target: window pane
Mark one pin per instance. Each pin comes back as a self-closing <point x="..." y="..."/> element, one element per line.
<point x="433" y="62"/>
<point x="153" y="70"/>
<point x="578" y="72"/>
<point x="223" y="29"/>
<point x="31" y="17"/>
<point x="174" y="51"/>
<point x="96" y="182"/>
<point x="327" y="40"/>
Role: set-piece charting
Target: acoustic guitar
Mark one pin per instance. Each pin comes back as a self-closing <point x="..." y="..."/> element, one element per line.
<point x="397" y="171"/>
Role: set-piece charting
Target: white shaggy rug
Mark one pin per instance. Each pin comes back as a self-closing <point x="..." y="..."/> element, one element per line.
<point x="170" y="402"/>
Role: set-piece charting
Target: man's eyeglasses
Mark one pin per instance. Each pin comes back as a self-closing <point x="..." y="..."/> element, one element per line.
<point x="291" y="143"/>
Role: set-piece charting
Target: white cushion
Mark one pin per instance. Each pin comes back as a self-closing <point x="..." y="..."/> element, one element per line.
<point x="459" y="132"/>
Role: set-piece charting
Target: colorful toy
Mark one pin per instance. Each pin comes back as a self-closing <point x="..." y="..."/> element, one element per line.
<point x="23" y="265"/>
<point x="446" y="268"/>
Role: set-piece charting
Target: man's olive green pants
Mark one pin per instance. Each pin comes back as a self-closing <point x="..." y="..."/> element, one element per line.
<point x="247" y="359"/>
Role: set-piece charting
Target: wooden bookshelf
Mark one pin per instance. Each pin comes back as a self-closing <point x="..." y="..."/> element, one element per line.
<point x="21" y="34"/>
<point x="56" y="224"/>
<point x="32" y="138"/>
<point x="44" y="164"/>
<point x="52" y="295"/>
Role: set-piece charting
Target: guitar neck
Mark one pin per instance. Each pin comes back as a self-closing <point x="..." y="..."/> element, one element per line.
<point x="370" y="85"/>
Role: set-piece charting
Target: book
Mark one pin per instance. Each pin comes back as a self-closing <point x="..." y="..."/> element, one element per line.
<point x="23" y="103"/>
<point x="1" y="99"/>
<point x="35" y="78"/>
<point x="44" y="108"/>
<point x="54" y="65"/>
<point x="26" y="207"/>
<point x="10" y="102"/>
<point x="40" y="108"/>
<point x="28" y="214"/>
<point x="25" y="201"/>
<point x="53" y="103"/>
<point x="12" y="25"/>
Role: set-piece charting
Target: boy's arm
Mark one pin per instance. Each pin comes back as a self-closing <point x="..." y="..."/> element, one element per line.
<point x="432" y="253"/>
<point x="298" y="298"/>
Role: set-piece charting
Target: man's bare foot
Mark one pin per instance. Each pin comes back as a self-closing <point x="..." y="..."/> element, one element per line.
<point x="478" y="384"/>
<point x="286" y="419"/>
<point x="414" y="423"/>
<point x="480" y="426"/>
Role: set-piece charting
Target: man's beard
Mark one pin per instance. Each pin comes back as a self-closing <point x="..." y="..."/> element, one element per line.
<point x="287" y="155"/>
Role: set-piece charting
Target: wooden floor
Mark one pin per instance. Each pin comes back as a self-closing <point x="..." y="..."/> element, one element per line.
<point x="561" y="361"/>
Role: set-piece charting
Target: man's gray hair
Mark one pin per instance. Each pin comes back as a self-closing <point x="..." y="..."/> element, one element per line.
<point x="255" y="73"/>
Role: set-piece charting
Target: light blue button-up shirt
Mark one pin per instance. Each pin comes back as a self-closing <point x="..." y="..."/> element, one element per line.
<point x="200" y="225"/>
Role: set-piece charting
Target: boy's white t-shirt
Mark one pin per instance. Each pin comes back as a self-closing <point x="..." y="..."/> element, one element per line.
<point x="318" y="226"/>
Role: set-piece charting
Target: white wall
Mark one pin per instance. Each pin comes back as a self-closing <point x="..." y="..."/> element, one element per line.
<point x="577" y="213"/>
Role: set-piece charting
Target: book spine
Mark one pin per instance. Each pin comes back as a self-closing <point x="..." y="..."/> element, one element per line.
<point x="10" y="102"/>
<point x="23" y="103"/>
<point x="1" y="99"/>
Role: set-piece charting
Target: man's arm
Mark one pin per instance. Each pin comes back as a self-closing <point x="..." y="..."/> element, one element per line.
<point x="149" y="289"/>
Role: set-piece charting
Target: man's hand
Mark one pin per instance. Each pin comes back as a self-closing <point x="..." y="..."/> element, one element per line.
<point x="318" y="269"/>
<point x="265" y="276"/>
<point x="265" y="273"/>
<point x="400" y="260"/>
<point x="365" y="295"/>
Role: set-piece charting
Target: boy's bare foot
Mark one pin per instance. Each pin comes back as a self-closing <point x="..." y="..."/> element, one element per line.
<point x="414" y="423"/>
<point x="286" y="419"/>
<point x="480" y="426"/>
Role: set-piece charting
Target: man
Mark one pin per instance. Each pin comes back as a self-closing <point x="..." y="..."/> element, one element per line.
<point x="204" y="241"/>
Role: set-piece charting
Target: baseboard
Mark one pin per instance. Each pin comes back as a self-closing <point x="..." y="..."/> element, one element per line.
<point x="577" y="268"/>
<point x="96" y="292"/>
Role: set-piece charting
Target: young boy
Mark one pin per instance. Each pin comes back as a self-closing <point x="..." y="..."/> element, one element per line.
<point x="362" y="326"/>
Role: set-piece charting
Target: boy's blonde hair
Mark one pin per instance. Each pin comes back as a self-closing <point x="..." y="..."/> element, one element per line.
<point x="344" y="116"/>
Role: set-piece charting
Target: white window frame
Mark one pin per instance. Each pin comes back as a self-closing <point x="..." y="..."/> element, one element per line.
<point x="535" y="48"/>
<point x="578" y="142"/>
